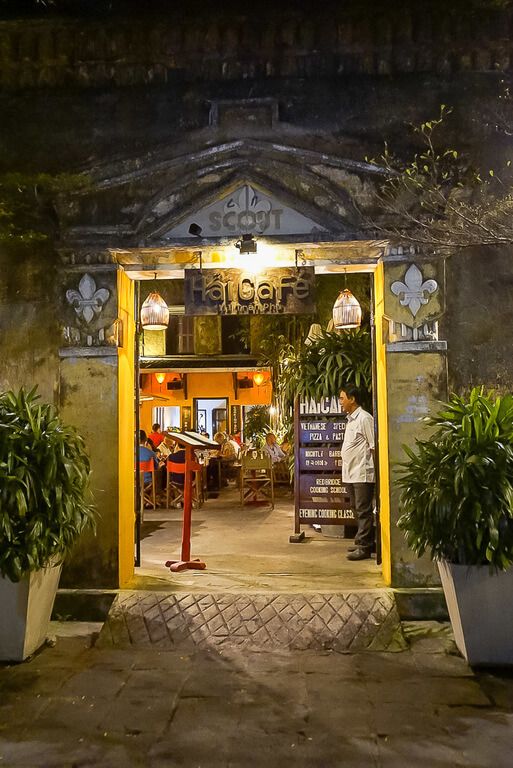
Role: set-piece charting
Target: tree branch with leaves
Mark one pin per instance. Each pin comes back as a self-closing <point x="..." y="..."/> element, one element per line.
<point x="439" y="200"/>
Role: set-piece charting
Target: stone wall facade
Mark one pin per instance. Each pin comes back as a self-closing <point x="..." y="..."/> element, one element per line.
<point x="237" y="46"/>
<point x="165" y="114"/>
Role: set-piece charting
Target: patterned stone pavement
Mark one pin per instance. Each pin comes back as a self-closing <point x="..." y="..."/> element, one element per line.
<point x="348" y="621"/>
<point x="77" y="705"/>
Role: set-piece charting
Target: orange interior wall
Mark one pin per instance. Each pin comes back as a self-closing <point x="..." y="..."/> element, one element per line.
<point x="200" y="385"/>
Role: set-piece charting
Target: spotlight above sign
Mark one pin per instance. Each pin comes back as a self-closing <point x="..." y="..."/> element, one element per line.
<point x="247" y="244"/>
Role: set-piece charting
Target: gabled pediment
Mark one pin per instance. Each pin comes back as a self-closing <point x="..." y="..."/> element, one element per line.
<point x="228" y="189"/>
<point x="246" y="210"/>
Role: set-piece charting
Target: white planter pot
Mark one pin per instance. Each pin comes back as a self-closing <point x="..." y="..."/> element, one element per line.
<point x="26" y="607"/>
<point x="480" y="607"/>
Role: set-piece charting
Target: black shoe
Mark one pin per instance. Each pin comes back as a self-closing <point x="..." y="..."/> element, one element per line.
<point x="357" y="546"/>
<point x="359" y="554"/>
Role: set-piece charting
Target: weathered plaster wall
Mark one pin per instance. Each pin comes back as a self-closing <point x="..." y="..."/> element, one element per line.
<point x="169" y="43"/>
<point x="357" y="71"/>
<point x="416" y="380"/>
<point x="415" y="384"/>
<point x="89" y="400"/>
<point x="29" y="331"/>
<point x="479" y="319"/>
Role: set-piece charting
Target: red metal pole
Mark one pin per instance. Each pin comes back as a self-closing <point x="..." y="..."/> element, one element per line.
<point x="187" y="506"/>
<point x="186" y="562"/>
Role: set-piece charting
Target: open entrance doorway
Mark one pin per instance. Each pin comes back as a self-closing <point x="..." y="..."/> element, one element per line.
<point x="210" y="415"/>
<point x="226" y="380"/>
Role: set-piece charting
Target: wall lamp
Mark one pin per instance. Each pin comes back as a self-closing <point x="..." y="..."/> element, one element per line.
<point x="258" y="378"/>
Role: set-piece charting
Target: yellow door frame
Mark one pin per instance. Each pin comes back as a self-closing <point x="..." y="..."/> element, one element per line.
<point x="126" y="416"/>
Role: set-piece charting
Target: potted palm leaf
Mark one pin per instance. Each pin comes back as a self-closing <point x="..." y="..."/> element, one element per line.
<point x="44" y="507"/>
<point x="457" y="505"/>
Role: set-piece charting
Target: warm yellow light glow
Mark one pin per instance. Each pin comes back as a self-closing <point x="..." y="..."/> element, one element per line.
<point x="258" y="378"/>
<point x="255" y="263"/>
<point x="160" y="377"/>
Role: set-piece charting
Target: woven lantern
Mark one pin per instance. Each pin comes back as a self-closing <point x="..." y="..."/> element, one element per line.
<point x="347" y="312"/>
<point x="154" y="313"/>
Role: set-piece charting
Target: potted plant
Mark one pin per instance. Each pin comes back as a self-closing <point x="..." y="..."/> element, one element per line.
<point x="44" y="507"/>
<point x="457" y="505"/>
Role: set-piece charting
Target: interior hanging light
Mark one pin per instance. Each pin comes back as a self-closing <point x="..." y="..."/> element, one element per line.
<point x="347" y="312"/>
<point x="160" y="377"/>
<point x="154" y="312"/>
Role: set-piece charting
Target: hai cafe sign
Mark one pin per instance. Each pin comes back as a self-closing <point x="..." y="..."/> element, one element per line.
<point x="284" y="290"/>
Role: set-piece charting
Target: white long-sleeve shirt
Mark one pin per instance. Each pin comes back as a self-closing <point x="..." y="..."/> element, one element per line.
<point x="357" y="448"/>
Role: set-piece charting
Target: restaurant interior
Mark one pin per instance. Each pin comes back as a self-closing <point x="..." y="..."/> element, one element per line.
<point x="215" y="379"/>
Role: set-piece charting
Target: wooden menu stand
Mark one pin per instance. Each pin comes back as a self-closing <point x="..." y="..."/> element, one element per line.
<point x="189" y="441"/>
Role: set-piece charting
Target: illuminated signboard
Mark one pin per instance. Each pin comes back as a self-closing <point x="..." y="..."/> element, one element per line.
<point x="285" y="290"/>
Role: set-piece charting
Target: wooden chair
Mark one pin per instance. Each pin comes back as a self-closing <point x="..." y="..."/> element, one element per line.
<point x="148" y="488"/>
<point x="177" y="488"/>
<point x="281" y="474"/>
<point x="256" y="478"/>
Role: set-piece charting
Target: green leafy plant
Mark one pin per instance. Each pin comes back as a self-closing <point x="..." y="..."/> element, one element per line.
<point x="457" y="485"/>
<point x="315" y="371"/>
<point x="44" y="485"/>
<point x="322" y="368"/>
<point x="438" y="198"/>
<point x="257" y="425"/>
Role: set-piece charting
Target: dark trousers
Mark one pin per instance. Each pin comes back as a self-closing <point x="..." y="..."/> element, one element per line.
<point x="362" y="497"/>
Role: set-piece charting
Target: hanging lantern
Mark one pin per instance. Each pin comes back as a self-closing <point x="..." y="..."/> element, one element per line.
<point x="160" y="377"/>
<point x="154" y="312"/>
<point x="347" y="312"/>
<point x="258" y="378"/>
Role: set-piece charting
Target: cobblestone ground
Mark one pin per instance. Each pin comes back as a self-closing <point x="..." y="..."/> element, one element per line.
<point x="74" y="706"/>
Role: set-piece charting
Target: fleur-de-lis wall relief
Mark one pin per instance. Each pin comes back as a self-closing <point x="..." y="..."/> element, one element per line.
<point x="412" y="293"/>
<point x="87" y="302"/>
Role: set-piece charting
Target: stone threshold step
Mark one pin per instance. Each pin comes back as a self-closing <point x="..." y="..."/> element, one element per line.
<point x="346" y="621"/>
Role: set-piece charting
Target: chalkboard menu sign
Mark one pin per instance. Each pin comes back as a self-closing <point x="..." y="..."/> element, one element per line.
<point x="320" y="496"/>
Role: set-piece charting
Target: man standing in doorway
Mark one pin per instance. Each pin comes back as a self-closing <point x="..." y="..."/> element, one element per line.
<point x="358" y="469"/>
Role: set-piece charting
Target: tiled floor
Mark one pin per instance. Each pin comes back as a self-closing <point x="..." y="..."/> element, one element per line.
<point x="247" y="549"/>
